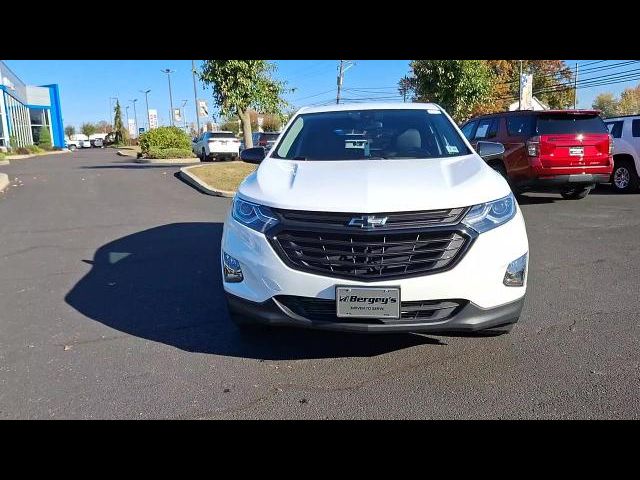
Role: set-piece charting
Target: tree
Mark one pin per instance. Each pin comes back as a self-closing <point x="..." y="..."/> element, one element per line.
<point x="456" y="85"/>
<point x="44" y="140"/>
<point x="406" y="86"/>
<point x="103" y="126"/>
<point x="69" y="131"/>
<point x="88" y="129"/>
<point x="552" y="83"/>
<point x="118" y="127"/>
<point x="629" y="103"/>
<point x="230" y="124"/>
<point x="271" y="123"/>
<point x="240" y="85"/>
<point x="607" y="104"/>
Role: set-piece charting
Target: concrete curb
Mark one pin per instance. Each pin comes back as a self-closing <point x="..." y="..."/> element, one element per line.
<point x="168" y="161"/>
<point x="5" y="162"/>
<point x="31" y="155"/>
<point x="4" y="181"/>
<point x="204" y="187"/>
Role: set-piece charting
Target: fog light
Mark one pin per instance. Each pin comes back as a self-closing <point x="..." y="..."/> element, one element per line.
<point x="516" y="272"/>
<point x="231" y="268"/>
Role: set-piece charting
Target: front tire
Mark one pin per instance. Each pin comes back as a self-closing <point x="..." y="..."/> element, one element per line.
<point x="624" y="177"/>
<point x="576" y="193"/>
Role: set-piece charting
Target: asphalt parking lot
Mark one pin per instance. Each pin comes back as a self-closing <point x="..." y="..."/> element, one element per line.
<point x="111" y="307"/>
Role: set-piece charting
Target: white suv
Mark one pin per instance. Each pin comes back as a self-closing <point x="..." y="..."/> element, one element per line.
<point x="626" y="152"/>
<point x="375" y="218"/>
<point x="216" y="146"/>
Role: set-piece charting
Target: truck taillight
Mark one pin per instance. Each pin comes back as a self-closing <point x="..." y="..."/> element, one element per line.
<point x="610" y="144"/>
<point x="533" y="146"/>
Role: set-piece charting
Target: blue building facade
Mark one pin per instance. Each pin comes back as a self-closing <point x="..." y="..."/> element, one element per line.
<point x="26" y="109"/>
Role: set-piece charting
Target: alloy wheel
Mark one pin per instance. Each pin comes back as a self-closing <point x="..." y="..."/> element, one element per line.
<point x="621" y="178"/>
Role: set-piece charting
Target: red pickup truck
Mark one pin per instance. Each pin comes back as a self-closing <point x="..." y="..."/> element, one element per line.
<point x="567" y="151"/>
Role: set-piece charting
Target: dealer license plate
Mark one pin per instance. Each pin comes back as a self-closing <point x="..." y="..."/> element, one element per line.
<point x="368" y="302"/>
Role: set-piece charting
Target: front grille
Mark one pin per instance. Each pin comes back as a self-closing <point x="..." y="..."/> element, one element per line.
<point x="394" y="220"/>
<point x="370" y="256"/>
<point x="320" y="309"/>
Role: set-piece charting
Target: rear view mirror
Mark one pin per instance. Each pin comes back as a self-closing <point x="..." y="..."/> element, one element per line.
<point x="490" y="150"/>
<point x="252" y="155"/>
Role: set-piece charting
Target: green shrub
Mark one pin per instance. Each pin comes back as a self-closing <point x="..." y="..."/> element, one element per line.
<point x="33" y="149"/>
<point x="164" y="138"/>
<point x="2" y="155"/>
<point x="161" y="153"/>
<point x="45" y="139"/>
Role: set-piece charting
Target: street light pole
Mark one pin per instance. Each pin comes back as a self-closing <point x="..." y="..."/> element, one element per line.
<point x="195" y="93"/>
<point x="184" y="117"/>
<point x="146" y="99"/>
<point x="135" y="115"/>
<point x="169" y="72"/>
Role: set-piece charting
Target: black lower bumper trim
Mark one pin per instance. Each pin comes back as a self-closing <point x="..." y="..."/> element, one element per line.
<point x="567" y="181"/>
<point x="469" y="319"/>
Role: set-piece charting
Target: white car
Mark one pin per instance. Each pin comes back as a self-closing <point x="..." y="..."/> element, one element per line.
<point x="626" y="152"/>
<point x="216" y="146"/>
<point x="375" y="218"/>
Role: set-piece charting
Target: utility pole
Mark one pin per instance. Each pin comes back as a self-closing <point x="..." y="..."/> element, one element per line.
<point x="169" y="72"/>
<point x="520" y="88"/>
<point x="575" y="89"/>
<point x="195" y="93"/>
<point x="341" y="69"/>
<point x="135" y="116"/>
<point x="126" y="111"/>
<point x="146" y="99"/>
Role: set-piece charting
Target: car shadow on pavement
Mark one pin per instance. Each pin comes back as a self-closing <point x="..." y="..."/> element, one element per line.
<point x="607" y="189"/>
<point x="164" y="284"/>
<point x="528" y="199"/>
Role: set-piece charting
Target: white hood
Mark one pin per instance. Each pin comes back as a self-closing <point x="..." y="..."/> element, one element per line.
<point x="372" y="186"/>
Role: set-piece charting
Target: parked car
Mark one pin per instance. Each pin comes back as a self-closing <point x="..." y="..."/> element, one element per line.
<point x="97" y="143"/>
<point x="375" y="218"/>
<point x="264" y="139"/>
<point x="72" y="144"/>
<point x="626" y="152"/>
<point x="216" y="146"/>
<point x="569" y="151"/>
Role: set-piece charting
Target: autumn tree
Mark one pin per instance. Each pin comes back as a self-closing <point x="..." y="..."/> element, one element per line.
<point x="271" y="123"/>
<point x="241" y="85"/>
<point x="103" y="126"/>
<point x="458" y="86"/>
<point x="552" y="83"/>
<point x="607" y="104"/>
<point x="629" y="103"/>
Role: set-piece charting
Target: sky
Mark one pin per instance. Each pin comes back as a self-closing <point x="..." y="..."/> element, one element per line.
<point x="87" y="85"/>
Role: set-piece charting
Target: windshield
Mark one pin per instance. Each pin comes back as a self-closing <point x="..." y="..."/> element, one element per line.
<point x="557" y="124"/>
<point x="371" y="134"/>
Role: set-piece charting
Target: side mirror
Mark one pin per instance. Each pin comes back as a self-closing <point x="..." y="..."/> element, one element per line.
<point x="252" y="155"/>
<point x="490" y="150"/>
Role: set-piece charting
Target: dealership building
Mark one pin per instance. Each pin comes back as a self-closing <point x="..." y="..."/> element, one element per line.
<point x="26" y="109"/>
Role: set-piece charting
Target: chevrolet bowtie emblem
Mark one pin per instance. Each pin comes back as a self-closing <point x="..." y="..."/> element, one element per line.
<point x="367" y="221"/>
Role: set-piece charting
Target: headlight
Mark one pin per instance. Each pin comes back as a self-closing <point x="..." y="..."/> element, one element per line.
<point x="252" y="215"/>
<point x="486" y="216"/>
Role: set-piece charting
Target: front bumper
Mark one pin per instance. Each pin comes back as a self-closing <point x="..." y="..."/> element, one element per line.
<point x="469" y="319"/>
<point x="477" y="277"/>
